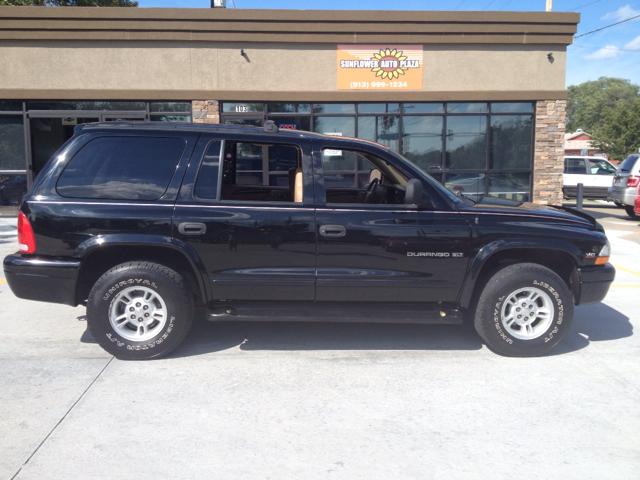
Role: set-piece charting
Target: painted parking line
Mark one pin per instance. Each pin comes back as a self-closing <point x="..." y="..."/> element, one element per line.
<point x="627" y="270"/>
<point x="3" y="280"/>
<point x="632" y="286"/>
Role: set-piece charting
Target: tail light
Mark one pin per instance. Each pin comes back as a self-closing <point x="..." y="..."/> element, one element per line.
<point x="633" y="181"/>
<point x="26" y="238"/>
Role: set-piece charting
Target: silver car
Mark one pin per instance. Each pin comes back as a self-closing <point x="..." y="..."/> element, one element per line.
<point x="624" y="190"/>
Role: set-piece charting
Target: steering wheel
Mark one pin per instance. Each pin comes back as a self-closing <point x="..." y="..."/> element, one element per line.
<point x="369" y="196"/>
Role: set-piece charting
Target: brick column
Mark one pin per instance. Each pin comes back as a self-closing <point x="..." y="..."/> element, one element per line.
<point x="548" y="160"/>
<point x="205" y="111"/>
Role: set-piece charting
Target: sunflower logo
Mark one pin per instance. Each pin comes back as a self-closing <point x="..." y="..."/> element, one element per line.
<point x="389" y="63"/>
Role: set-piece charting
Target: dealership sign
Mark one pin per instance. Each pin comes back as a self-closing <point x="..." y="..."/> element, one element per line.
<point x="380" y="67"/>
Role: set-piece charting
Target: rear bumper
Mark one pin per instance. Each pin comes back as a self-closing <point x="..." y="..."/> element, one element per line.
<point x="623" y="195"/>
<point x="593" y="283"/>
<point x="43" y="280"/>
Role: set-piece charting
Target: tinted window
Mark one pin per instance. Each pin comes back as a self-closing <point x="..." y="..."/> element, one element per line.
<point x="574" y="165"/>
<point x="127" y="168"/>
<point x="627" y="165"/>
<point x="511" y="141"/>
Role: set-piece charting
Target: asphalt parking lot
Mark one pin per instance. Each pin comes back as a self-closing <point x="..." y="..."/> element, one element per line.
<point x="325" y="400"/>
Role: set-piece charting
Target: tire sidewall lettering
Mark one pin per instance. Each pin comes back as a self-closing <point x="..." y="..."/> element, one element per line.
<point x="553" y="329"/>
<point x="125" y="283"/>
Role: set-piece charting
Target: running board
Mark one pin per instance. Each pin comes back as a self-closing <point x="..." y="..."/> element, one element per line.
<point x="336" y="312"/>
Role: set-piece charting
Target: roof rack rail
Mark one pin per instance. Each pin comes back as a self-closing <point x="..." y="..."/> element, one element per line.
<point x="270" y="127"/>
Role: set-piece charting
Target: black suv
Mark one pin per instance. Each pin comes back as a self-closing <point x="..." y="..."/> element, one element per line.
<point x="142" y="222"/>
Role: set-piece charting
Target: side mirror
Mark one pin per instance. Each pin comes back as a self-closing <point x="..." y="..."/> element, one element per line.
<point x="413" y="195"/>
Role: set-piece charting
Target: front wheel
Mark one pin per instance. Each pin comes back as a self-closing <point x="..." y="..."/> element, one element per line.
<point x="139" y="310"/>
<point x="630" y="212"/>
<point x="524" y="311"/>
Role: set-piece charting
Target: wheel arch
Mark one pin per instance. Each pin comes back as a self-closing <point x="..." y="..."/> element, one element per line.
<point x="561" y="259"/>
<point x="104" y="253"/>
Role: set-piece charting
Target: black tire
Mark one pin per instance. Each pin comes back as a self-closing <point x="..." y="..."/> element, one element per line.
<point x="550" y="313"/>
<point x="630" y="212"/>
<point x="156" y="292"/>
<point x="619" y="205"/>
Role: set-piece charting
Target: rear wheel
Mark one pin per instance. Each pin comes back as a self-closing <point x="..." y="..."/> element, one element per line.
<point x="630" y="212"/>
<point x="524" y="311"/>
<point x="139" y="310"/>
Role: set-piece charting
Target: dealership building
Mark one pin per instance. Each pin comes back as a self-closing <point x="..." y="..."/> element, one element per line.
<point x="476" y="99"/>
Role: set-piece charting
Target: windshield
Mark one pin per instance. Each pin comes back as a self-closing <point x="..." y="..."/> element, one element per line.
<point x="434" y="183"/>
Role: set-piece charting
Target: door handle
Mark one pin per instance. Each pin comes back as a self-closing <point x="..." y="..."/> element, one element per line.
<point x="186" y="228"/>
<point x="333" y="231"/>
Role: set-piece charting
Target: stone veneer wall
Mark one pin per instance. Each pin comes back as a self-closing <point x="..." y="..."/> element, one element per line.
<point x="205" y="111"/>
<point x="548" y="160"/>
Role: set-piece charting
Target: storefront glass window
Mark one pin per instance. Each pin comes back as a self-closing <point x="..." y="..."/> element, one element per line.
<point x="466" y="142"/>
<point x="10" y="106"/>
<point x="511" y="137"/>
<point x="183" y="107"/>
<point x="422" y="141"/>
<point x="289" y="107"/>
<point x="423" y="108"/>
<point x="334" y="108"/>
<point x="338" y="126"/>
<point x="241" y="107"/>
<point x="171" y="118"/>
<point x="12" y="143"/>
<point x="510" y="186"/>
<point x="378" y="108"/>
<point x="521" y="107"/>
<point x="469" y="184"/>
<point x="480" y="148"/>
<point x="292" y="122"/>
<point x="381" y="129"/>
<point x="90" y="105"/>
<point x="12" y="188"/>
<point x="466" y="107"/>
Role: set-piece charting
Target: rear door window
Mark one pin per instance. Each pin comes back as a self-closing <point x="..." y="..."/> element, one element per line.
<point x="574" y="166"/>
<point x="122" y="168"/>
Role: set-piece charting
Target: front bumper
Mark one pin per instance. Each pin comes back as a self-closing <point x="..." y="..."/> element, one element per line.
<point x="44" y="280"/>
<point x="592" y="283"/>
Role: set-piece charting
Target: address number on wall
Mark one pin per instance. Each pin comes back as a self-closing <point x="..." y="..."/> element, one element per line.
<point x="242" y="108"/>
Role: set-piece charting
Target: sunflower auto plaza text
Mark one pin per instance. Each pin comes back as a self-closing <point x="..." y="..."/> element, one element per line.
<point x="381" y="63"/>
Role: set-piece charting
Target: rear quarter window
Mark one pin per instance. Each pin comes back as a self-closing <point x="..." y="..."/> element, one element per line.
<point x="122" y="168"/>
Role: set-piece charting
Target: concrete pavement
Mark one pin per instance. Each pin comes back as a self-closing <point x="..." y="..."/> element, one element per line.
<point x="280" y="400"/>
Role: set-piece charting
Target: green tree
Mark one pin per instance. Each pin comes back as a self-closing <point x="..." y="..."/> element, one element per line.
<point x="588" y="101"/>
<point x="70" y="3"/>
<point x="619" y="132"/>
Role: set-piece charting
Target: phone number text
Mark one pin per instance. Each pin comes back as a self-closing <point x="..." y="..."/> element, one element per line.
<point x="378" y="84"/>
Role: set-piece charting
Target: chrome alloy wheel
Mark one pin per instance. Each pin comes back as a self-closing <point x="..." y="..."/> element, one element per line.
<point x="138" y="314"/>
<point x="527" y="313"/>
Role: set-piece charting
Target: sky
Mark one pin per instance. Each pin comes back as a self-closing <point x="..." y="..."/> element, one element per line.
<point x="612" y="52"/>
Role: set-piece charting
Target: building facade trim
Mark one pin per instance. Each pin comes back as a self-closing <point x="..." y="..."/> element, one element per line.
<point x="283" y="96"/>
<point x="292" y="26"/>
